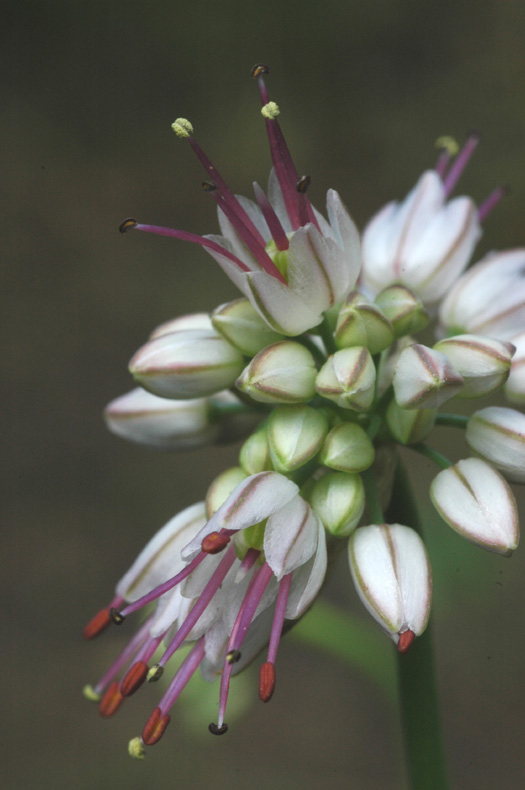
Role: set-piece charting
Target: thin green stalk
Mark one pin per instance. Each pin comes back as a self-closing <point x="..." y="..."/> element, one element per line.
<point x="375" y="512"/>
<point x="417" y="680"/>
<point x="452" y="420"/>
<point x="439" y="459"/>
<point x="327" y="336"/>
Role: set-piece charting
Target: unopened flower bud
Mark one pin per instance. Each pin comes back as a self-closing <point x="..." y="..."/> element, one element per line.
<point x="409" y="426"/>
<point x="483" y="362"/>
<point x="243" y="327"/>
<point x="393" y="578"/>
<point x="339" y="500"/>
<point x="182" y="323"/>
<point x="403" y="309"/>
<point x="348" y="378"/>
<point x="221" y="488"/>
<point x="476" y="501"/>
<point x="361" y="323"/>
<point x="186" y="364"/>
<point x="254" y="455"/>
<point x="295" y="435"/>
<point x="515" y="385"/>
<point x="497" y="435"/>
<point x="424" y="378"/>
<point x="347" y="448"/>
<point x="281" y="373"/>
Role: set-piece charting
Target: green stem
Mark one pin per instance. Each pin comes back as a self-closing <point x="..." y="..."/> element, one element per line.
<point x="417" y="681"/>
<point x="375" y="512"/>
<point x="452" y="420"/>
<point x="327" y="336"/>
<point x="429" y="452"/>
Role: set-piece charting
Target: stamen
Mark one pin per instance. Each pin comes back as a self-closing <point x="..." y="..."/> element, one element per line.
<point x="272" y="220"/>
<point x="233" y="656"/>
<point x="266" y="681"/>
<point x="194" y="239"/>
<point x="204" y="599"/>
<point x="182" y="127"/>
<point x="134" y="678"/>
<point x="136" y="749"/>
<point x="278" y="617"/>
<point x="184" y="674"/>
<point x="127" y="224"/>
<point x="111" y="701"/>
<point x="162" y="588"/>
<point x="90" y="694"/>
<point x="209" y="186"/>
<point x="490" y="203"/>
<point x="123" y="658"/>
<point x="101" y="620"/>
<point x="405" y="640"/>
<point x="155" y="673"/>
<point x="461" y="162"/>
<point x="116" y="616"/>
<point x="303" y="184"/>
<point x="215" y="542"/>
<point x="155" y="727"/>
<point x="216" y="730"/>
<point x="448" y="148"/>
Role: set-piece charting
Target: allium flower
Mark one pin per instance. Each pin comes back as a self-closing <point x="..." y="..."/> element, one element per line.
<point x="322" y="381"/>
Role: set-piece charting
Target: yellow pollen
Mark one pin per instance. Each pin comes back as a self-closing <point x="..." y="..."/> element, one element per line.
<point x="448" y="144"/>
<point x="136" y="748"/>
<point x="182" y="127"/>
<point x="270" y="110"/>
<point x="90" y="694"/>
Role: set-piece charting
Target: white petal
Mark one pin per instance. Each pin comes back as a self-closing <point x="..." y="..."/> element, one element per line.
<point x="281" y="308"/>
<point x="290" y="537"/>
<point x="308" y="579"/>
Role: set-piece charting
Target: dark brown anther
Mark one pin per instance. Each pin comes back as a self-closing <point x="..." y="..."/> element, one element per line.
<point x="266" y="681"/>
<point x="209" y="186"/>
<point x="134" y="678"/>
<point x="303" y="184"/>
<point x="233" y="656"/>
<point x="405" y="640"/>
<point x="216" y="730"/>
<point x="259" y="69"/>
<point x="116" y="617"/>
<point x="111" y="701"/>
<point x="155" y="673"/>
<point x="214" y="543"/>
<point x="155" y="727"/>
<point x="128" y="224"/>
<point x="97" y="624"/>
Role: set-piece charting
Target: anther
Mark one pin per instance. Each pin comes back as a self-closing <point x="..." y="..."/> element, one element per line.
<point x="155" y="727"/>
<point x="303" y="184"/>
<point x="136" y="748"/>
<point x="182" y="127"/>
<point x="448" y="144"/>
<point x="214" y="543"/>
<point x="155" y="673"/>
<point x="216" y="730"/>
<point x="266" y="681"/>
<point x="90" y="694"/>
<point x="233" y="656"/>
<point x="270" y="111"/>
<point x="111" y="701"/>
<point x="209" y="186"/>
<point x="127" y="224"/>
<point x="134" y="678"/>
<point x="405" y="640"/>
<point x="259" y="69"/>
<point x="97" y="624"/>
<point x="116" y="617"/>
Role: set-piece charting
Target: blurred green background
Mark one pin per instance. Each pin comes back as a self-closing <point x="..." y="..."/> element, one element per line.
<point x="89" y="92"/>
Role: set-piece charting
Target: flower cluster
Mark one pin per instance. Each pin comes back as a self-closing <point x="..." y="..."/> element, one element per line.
<point x="318" y="369"/>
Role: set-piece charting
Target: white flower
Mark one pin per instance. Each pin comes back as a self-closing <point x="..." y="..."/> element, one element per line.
<point x="483" y="362"/>
<point x="498" y="436"/>
<point x="424" y="242"/>
<point x="424" y="378"/>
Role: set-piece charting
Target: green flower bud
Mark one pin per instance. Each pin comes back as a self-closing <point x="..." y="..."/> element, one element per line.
<point x="295" y="435"/>
<point x="254" y="456"/>
<point x="361" y="323"/>
<point x="281" y="373"/>
<point x="409" y="426"/>
<point x="339" y="501"/>
<point x="403" y="309"/>
<point x="243" y="327"/>
<point x="348" y="379"/>
<point x="347" y="448"/>
<point x="221" y="488"/>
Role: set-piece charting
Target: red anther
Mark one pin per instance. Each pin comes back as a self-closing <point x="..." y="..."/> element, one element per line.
<point x="405" y="640"/>
<point x="154" y="727"/>
<point x="266" y="681"/>
<point x="214" y="543"/>
<point x="111" y="701"/>
<point x="134" y="678"/>
<point x="97" y="624"/>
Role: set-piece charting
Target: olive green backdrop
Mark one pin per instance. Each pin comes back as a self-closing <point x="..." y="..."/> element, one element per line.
<point x="89" y="92"/>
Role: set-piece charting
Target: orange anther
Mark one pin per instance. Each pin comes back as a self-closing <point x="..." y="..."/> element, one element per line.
<point x="111" y="701"/>
<point x="154" y="727"/>
<point x="134" y="678"/>
<point x="405" y="640"/>
<point x="97" y="624"/>
<point x="266" y="681"/>
<point x="214" y="543"/>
